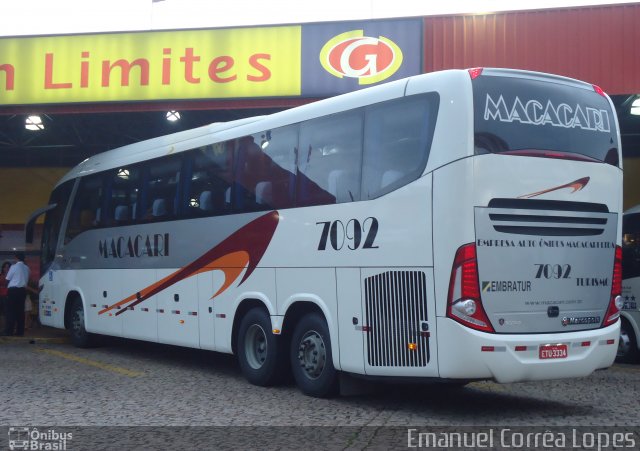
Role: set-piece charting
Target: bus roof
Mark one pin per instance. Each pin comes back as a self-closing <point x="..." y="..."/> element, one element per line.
<point x="220" y="131"/>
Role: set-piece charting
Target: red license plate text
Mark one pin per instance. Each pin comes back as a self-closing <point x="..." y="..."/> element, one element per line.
<point x="553" y="352"/>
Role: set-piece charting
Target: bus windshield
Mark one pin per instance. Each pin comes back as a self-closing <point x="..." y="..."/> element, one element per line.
<point x="537" y="117"/>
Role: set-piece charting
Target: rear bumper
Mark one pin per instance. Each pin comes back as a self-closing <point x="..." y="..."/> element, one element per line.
<point x="460" y="354"/>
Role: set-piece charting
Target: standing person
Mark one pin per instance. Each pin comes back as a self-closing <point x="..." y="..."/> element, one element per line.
<point x="3" y="293"/>
<point x="18" y="277"/>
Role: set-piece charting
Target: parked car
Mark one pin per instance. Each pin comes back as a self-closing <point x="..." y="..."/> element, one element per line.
<point x="629" y="346"/>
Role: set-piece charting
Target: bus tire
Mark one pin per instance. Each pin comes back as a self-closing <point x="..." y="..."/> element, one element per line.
<point x="261" y="354"/>
<point x="79" y="335"/>
<point x="311" y="357"/>
<point x="628" y="344"/>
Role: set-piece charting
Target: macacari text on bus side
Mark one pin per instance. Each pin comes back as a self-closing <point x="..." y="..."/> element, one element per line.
<point x="156" y="245"/>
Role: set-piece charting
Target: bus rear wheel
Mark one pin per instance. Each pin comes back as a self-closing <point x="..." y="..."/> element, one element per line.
<point x="311" y="358"/>
<point x="261" y="354"/>
<point x="628" y="344"/>
<point x="79" y="335"/>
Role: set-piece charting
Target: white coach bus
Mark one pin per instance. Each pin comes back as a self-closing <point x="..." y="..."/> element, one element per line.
<point x="458" y="225"/>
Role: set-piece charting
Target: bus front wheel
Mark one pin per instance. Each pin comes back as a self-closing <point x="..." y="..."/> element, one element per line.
<point x="261" y="354"/>
<point x="311" y="358"/>
<point x="79" y="335"/>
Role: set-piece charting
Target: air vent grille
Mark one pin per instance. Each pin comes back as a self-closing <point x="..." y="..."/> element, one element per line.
<point x="396" y="313"/>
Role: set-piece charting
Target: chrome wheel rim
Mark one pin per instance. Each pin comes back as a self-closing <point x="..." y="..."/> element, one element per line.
<point x="312" y="354"/>
<point x="77" y="323"/>
<point x="255" y="346"/>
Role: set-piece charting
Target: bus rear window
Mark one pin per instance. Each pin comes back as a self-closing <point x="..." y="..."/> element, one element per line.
<point x="546" y="118"/>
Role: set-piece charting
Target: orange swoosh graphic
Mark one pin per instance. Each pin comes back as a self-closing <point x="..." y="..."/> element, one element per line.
<point x="576" y="185"/>
<point x="243" y="248"/>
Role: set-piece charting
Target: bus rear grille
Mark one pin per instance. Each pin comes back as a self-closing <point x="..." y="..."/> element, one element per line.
<point x="396" y="310"/>
<point x="547" y="217"/>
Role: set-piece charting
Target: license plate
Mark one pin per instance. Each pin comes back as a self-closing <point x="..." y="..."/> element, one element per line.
<point x="553" y="352"/>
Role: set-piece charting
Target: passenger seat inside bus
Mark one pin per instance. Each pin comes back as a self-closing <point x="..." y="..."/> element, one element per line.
<point x="121" y="213"/>
<point x="264" y="193"/>
<point x="159" y="208"/>
<point x="206" y="202"/>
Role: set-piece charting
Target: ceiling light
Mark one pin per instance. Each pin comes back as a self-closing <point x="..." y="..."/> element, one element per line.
<point x="34" y="123"/>
<point x="173" y="116"/>
<point x="635" y="107"/>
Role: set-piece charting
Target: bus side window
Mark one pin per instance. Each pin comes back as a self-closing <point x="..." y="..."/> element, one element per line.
<point x="250" y="168"/>
<point x="161" y="188"/>
<point x="274" y="169"/>
<point x="123" y="195"/>
<point x="86" y="206"/>
<point x="209" y="181"/>
<point x="52" y="222"/>
<point x="329" y="160"/>
<point x="397" y="141"/>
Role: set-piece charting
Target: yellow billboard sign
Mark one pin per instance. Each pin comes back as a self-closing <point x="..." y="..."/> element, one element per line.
<point x="192" y="64"/>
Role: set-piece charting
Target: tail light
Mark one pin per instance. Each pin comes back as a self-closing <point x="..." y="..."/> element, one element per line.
<point x="464" y="304"/>
<point x="599" y="90"/>
<point x="615" y="302"/>
<point x="475" y="72"/>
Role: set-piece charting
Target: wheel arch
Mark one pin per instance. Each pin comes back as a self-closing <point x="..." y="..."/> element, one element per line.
<point x="244" y="305"/>
<point x="300" y="306"/>
<point x="72" y="295"/>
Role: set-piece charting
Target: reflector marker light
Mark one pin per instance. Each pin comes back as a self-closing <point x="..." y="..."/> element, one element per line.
<point x="493" y="348"/>
<point x="521" y="348"/>
<point x="220" y="315"/>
